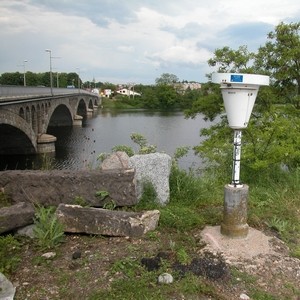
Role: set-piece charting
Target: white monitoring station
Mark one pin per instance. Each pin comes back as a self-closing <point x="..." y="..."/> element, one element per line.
<point x="239" y="93"/>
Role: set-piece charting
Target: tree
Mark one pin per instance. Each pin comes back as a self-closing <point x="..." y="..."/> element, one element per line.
<point x="280" y="58"/>
<point x="271" y="138"/>
<point x="167" y="79"/>
<point x="15" y="78"/>
<point x="229" y="60"/>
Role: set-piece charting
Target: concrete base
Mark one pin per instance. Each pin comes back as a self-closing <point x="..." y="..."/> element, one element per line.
<point x="77" y="120"/>
<point x="235" y="211"/>
<point x="46" y="143"/>
<point x="256" y="244"/>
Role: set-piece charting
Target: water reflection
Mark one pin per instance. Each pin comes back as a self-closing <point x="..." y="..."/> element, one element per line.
<point x="79" y="147"/>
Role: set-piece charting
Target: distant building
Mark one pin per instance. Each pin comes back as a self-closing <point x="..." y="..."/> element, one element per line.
<point x="128" y="92"/>
<point x="106" y="93"/>
<point x="182" y="87"/>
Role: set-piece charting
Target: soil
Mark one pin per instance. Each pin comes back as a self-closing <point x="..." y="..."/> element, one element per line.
<point x="83" y="264"/>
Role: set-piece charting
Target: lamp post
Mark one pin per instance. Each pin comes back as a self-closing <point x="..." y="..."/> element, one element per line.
<point x="239" y="93"/>
<point x="24" y="73"/>
<point x="51" y="79"/>
<point x="78" y="80"/>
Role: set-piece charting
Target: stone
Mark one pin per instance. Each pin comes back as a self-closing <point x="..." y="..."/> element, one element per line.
<point x="116" y="160"/>
<point x="154" y="168"/>
<point x="49" y="255"/>
<point x="15" y="216"/>
<point x="50" y="188"/>
<point x="76" y="254"/>
<point x="165" y="278"/>
<point x="27" y="231"/>
<point x="244" y="297"/>
<point x="7" y="290"/>
<point x="90" y="220"/>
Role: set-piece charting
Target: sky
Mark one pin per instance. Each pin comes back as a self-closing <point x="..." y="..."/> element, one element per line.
<point x="132" y="41"/>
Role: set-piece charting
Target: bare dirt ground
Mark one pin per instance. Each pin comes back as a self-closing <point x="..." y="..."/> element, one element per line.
<point x="84" y="264"/>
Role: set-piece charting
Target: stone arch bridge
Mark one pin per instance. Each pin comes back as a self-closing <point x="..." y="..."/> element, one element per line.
<point x="26" y="114"/>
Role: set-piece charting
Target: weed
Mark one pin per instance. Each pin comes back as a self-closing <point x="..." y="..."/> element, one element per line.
<point x="110" y="204"/>
<point x="128" y="267"/>
<point x="9" y="254"/>
<point x="128" y="150"/>
<point x="278" y="224"/>
<point x="182" y="256"/>
<point x="238" y="276"/>
<point x="102" y="195"/>
<point x="78" y="200"/>
<point x="4" y="200"/>
<point x="261" y="295"/>
<point x="48" y="230"/>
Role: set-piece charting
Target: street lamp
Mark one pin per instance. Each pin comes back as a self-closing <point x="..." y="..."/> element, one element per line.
<point x="239" y="93"/>
<point x="51" y="80"/>
<point x="25" y="61"/>
<point x="78" y="79"/>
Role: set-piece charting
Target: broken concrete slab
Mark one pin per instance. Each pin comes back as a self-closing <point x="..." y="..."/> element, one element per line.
<point x="78" y="219"/>
<point x="15" y="216"/>
<point x="50" y="188"/>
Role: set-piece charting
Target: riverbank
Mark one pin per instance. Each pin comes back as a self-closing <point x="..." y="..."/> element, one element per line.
<point x="99" y="267"/>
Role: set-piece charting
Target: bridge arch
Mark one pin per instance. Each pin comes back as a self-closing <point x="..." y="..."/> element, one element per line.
<point x="60" y="115"/>
<point x="24" y="141"/>
<point x="81" y="108"/>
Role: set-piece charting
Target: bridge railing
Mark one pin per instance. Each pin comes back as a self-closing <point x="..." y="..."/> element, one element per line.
<point x="19" y="91"/>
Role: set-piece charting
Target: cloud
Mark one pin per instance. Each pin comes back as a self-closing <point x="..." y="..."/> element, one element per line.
<point x="136" y="39"/>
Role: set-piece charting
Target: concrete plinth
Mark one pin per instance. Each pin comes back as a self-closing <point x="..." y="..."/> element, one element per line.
<point x="235" y="211"/>
<point x="89" y="112"/>
<point x="77" y="120"/>
<point x="46" y="143"/>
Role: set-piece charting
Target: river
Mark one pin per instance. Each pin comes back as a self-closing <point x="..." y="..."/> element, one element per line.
<point x="79" y="147"/>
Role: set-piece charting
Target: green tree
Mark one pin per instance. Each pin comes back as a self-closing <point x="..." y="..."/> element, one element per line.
<point x="166" y="79"/>
<point x="271" y="138"/>
<point x="167" y="96"/>
<point x="230" y="60"/>
<point x="280" y="58"/>
<point x="15" y="78"/>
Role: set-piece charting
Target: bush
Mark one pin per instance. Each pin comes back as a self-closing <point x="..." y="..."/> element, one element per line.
<point x="48" y="231"/>
<point x="9" y="250"/>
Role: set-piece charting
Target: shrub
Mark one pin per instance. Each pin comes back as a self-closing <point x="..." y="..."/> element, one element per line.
<point x="48" y="230"/>
<point x="9" y="250"/>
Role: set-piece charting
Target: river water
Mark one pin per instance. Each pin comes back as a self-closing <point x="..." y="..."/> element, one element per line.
<point x="79" y="147"/>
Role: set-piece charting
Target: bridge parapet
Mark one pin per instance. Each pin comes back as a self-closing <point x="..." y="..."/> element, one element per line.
<point x="27" y="119"/>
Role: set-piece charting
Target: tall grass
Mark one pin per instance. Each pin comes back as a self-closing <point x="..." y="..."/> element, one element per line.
<point x="197" y="200"/>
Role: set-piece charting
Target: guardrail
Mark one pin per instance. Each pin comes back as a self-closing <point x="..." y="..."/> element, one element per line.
<point x="18" y="91"/>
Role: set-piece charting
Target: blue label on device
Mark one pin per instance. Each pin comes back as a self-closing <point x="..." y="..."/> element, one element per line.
<point x="236" y="78"/>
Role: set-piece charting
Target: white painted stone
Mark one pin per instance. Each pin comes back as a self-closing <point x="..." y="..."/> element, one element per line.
<point x="154" y="168"/>
<point x="165" y="278"/>
<point x="49" y="255"/>
<point x="244" y="297"/>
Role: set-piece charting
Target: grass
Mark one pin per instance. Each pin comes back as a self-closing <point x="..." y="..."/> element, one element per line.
<point x="196" y="201"/>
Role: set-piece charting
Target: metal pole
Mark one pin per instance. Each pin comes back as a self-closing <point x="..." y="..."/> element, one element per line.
<point x="25" y="61"/>
<point x="78" y="80"/>
<point x="237" y="144"/>
<point x="51" y="80"/>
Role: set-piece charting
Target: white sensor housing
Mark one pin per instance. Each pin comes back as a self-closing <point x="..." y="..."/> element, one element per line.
<point x="239" y="93"/>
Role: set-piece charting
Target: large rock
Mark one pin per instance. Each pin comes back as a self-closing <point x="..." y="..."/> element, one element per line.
<point x="154" y="168"/>
<point x="116" y="160"/>
<point x="7" y="290"/>
<point x="16" y="216"/>
<point x="77" y="219"/>
<point x="63" y="186"/>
